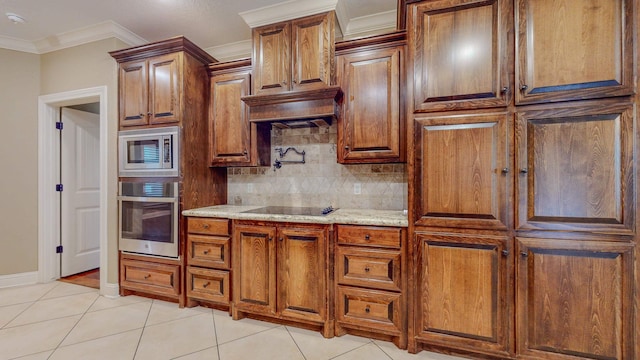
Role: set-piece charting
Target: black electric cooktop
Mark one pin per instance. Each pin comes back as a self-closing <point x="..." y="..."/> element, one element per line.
<point x="292" y="210"/>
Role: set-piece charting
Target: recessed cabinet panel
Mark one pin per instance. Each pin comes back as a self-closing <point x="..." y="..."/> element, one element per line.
<point x="575" y="168"/>
<point x="300" y="273"/>
<point x="311" y="40"/>
<point x="133" y="93"/>
<point x="370" y="130"/>
<point x="464" y="290"/>
<point x="164" y="88"/>
<point x="271" y="47"/>
<point x="255" y="252"/>
<point x="574" y="299"/>
<point x="230" y="128"/>
<point x="464" y="171"/>
<point x="574" y="49"/>
<point x="460" y="54"/>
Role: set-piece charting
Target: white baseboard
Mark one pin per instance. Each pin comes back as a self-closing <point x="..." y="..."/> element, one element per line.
<point x="28" y="278"/>
<point x="110" y="290"/>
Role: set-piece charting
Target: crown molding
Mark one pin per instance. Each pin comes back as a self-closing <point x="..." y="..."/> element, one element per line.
<point x="232" y="51"/>
<point x="287" y="10"/>
<point x="371" y="23"/>
<point x="10" y="43"/>
<point x="96" y="32"/>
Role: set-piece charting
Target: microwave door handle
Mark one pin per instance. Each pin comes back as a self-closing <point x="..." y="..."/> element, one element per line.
<point x="167" y="152"/>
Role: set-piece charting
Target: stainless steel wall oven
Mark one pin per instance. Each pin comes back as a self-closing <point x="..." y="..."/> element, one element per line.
<point x="149" y="218"/>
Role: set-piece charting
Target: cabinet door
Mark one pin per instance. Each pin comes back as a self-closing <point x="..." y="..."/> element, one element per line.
<point x="574" y="299"/>
<point x="575" y="168"/>
<point x="312" y="53"/>
<point x="272" y="59"/>
<point x="574" y="49"/>
<point x="371" y="125"/>
<point x="229" y="121"/>
<point x="133" y="94"/>
<point x="465" y="291"/>
<point x="460" y="52"/>
<point x="164" y="88"/>
<point x="254" y="261"/>
<point x="463" y="170"/>
<point x="302" y="273"/>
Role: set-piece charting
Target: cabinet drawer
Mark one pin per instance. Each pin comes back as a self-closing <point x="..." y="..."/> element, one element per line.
<point x="379" y="311"/>
<point x="208" y="226"/>
<point x="209" y="285"/>
<point x="209" y="251"/>
<point x="369" y="267"/>
<point x="369" y="235"/>
<point x="162" y="279"/>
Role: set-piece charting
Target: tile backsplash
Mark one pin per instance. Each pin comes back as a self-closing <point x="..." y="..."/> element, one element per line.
<point x="320" y="181"/>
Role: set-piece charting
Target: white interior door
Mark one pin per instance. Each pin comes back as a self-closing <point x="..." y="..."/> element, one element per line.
<point x="80" y="198"/>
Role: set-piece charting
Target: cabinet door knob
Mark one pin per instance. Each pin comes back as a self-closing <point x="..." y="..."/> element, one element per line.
<point x="505" y="252"/>
<point x="281" y="239"/>
<point x="206" y="226"/>
<point x="206" y="284"/>
<point x="524" y="87"/>
<point x="367" y="237"/>
<point x="367" y="269"/>
<point x="524" y="254"/>
<point x="346" y="147"/>
<point x="141" y="115"/>
<point x="505" y="170"/>
<point x="245" y="152"/>
<point x="505" y="89"/>
<point x="524" y="171"/>
<point x="367" y="309"/>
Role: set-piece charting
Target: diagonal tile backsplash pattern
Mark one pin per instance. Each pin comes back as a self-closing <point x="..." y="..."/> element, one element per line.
<point x="320" y="181"/>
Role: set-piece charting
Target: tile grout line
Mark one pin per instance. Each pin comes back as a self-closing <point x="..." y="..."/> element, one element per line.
<point x="381" y="349"/>
<point x="294" y="341"/>
<point x="215" y="331"/>
<point x="144" y="326"/>
<point x="357" y="348"/>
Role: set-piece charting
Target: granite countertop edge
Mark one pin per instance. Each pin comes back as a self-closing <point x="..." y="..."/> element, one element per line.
<point x="340" y="216"/>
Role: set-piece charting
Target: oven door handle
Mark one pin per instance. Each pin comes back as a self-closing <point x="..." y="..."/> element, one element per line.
<point x="147" y="199"/>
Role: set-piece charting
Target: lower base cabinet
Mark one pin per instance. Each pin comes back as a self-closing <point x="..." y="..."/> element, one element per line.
<point x="370" y="282"/>
<point x="574" y="299"/>
<point x="153" y="276"/>
<point x="283" y="273"/>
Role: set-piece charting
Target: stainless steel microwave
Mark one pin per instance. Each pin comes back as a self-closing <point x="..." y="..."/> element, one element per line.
<point x="149" y="152"/>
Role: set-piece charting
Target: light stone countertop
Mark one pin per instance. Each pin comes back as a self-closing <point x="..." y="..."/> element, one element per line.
<point x="340" y="216"/>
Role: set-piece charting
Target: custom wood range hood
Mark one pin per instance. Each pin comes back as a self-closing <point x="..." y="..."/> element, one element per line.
<point x="317" y="107"/>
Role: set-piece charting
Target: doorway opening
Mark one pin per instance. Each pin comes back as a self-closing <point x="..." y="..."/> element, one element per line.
<point x="49" y="204"/>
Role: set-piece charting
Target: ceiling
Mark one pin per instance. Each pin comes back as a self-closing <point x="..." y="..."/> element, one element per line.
<point x="215" y="25"/>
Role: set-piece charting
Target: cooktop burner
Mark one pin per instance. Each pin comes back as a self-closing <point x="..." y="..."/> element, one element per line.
<point x="292" y="210"/>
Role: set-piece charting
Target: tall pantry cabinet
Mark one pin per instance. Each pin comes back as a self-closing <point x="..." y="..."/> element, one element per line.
<point x="523" y="173"/>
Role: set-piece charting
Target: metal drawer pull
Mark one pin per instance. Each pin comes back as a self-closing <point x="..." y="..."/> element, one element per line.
<point x="367" y="237"/>
<point x="367" y="309"/>
<point x="146" y="277"/>
<point x="206" y="284"/>
<point x="367" y="269"/>
<point x="206" y="252"/>
<point x="206" y="226"/>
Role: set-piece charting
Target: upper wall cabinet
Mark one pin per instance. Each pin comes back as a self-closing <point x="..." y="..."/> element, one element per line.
<point x="234" y="141"/>
<point x="460" y="52"/>
<point x="294" y="55"/>
<point x="162" y="82"/>
<point x="371" y="129"/>
<point x="568" y="50"/>
<point x="150" y="91"/>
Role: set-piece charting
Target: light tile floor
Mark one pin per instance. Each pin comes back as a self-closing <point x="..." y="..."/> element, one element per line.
<point x="64" y="321"/>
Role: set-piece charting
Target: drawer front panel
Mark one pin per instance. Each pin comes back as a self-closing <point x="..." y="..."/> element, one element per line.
<point x="369" y="267"/>
<point x="208" y="226"/>
<point x="209" y="285"/>
<point x="209" y="251"/>
<point x="379" y="310"/>
<point x="369" y="236"/>
<point x="163" y="279"/>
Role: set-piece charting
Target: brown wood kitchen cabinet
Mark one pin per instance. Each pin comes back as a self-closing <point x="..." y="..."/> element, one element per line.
<point x="282" y="272"/>
<point x="294" y="55"/>
<point x="371" y="128"/>
<point x="208" y="271"/>
<point x="574" y="50"/>
<point x="575" y="299"/>
<point x="157" y="80"/>
<point x="234" y="141"/>
<point x="370" y="271"/>
<point x="160" y="277"/>
<point x="460" y="52"/>
<point x="465" y="291"/>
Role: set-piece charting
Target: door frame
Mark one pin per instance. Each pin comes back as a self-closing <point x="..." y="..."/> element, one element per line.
<point x="48" y="175"/>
